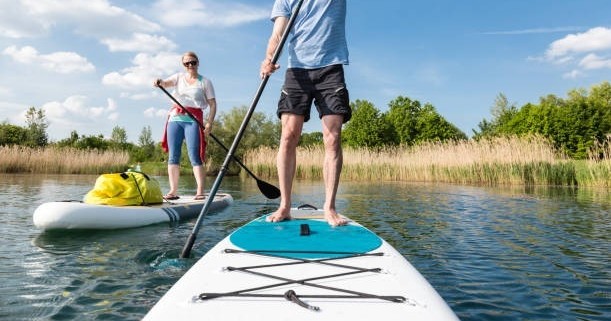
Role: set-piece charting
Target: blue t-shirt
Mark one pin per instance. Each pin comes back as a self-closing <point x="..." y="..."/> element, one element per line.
<point x="318" y="37"/>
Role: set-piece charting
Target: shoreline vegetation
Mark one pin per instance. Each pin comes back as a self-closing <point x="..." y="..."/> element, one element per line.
<point x="495" y="161"/>
<point x="56" y="160"/>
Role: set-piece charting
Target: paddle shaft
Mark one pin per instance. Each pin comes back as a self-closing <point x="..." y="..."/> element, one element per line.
<point x="186" y="251"/>
<point x="270" y="191"/>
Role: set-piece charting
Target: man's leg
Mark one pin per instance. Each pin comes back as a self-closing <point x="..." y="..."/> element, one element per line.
<point x="332" y="167"/>
<point x="292" y="126"/>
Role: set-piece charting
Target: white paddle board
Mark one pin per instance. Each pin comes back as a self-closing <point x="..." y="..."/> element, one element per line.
<point x="302" y="269"/>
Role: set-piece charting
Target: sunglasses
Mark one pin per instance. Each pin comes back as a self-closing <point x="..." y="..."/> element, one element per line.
<point x="190" y="63"/>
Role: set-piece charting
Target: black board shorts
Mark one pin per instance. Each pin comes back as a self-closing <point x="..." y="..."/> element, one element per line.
<point x="325" y="87"/>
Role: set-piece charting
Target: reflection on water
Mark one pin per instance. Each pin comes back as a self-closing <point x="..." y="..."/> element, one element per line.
<point x="503" y="256"/>
<point x="492" y="253"/>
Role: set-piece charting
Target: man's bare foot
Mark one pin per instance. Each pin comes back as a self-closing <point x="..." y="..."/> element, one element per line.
<point x="335" y="219"/>
<point x="279" y="216"/>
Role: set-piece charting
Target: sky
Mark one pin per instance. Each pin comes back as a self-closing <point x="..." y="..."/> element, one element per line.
<point x="90" y="64"/>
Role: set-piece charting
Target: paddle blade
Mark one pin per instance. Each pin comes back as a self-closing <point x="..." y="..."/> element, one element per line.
<point x="270" y="191"/>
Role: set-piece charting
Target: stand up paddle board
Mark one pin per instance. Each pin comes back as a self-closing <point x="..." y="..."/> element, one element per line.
<point x="79" y="215"/>
<point x="302" y="269"/>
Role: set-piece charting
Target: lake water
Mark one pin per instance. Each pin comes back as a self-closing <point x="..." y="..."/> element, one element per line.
<point x="492" y="253"/>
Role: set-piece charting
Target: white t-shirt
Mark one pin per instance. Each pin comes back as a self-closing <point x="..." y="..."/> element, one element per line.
<point x="192" y="95"/>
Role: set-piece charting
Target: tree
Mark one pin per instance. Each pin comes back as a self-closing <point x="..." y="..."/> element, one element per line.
<point x="502" y="113"/>
<point x="367" y="127"/>
<point x="93" y="142"/>
<point x="600" y="99"/>
<point x="146" y="149"/>
<point x="12" y="134"/>
<point x="311" y="139"/>
<point x="69" y="142"/>
<point x="37" y="128"/>
<point x="576" y="125"/>
<point x="414" y="123"/>
<point x="118" y="136"/>
<point x="261" y="131"/>
<point x="146" y="137"/>
<point x="403" y="114"/>
<point x="433" y="127"/>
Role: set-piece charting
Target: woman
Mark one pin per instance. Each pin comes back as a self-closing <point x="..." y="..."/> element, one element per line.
<point x="195" y="93"/>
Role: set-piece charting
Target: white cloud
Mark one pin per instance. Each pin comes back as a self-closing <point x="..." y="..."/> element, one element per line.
<point x="593" y="61"/>
<point x="145" y="68"/>
<point x="595" y="39"/>
<point x="5" y="91"/>
<point x="208" y="14"/>
<point x="90" y="18"/>
<point x="581" y="52"/>
<point x="13" y="112"/>
<point x="61" y="61"/>
<point x="140" y="42"/>
<point x="573" y="74"/>
<point x="96" y="18"/>
<point x="113" y="116"/>
<point x="75" y="111"/>
<point x="139" y="96"/>
<point x="16" y="22"/>
<point x="155" y="113"/>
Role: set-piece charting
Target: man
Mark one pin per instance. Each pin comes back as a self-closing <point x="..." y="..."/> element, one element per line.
<point x="317" y="51"/>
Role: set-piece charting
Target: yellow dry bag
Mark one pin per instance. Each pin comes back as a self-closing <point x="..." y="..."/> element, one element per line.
<point x="122" y="189"/>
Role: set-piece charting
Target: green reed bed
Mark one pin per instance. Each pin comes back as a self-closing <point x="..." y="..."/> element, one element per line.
<point x="594" y="173"/>
<point x="497" y="161"/>
<point x="536" y="173"/>
<point x="19" y="159"/>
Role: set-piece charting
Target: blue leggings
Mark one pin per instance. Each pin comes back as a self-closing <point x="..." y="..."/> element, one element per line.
<point x="179" y="131"/>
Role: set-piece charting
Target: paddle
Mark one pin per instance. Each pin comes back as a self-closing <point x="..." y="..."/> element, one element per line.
<point x="270" y="191"/>
<point x="189" y="245"/>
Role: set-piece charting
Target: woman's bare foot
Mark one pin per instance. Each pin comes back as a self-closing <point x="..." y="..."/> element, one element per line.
<point x="279" y="216"/>
<point x="334" y="219"/>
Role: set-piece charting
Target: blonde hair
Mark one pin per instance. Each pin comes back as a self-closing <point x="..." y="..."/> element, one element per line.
<point x="190" y="54"/>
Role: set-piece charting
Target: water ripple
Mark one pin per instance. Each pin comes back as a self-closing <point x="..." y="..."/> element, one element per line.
<point x="493" y="254"/>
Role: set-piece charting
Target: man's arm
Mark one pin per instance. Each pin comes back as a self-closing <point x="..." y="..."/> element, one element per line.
<point x="267" y="68"/>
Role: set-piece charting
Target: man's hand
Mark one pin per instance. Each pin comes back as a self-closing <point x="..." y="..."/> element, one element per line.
<point x="267" y="68"/>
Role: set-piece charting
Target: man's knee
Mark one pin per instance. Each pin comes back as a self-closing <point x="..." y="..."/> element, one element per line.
<point x="289" y="138"/>
<point x="332" y="139"/>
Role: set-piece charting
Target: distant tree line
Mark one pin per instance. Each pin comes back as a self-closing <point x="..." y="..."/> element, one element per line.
<point x="34" y="134"/>
<point x="576" y="126"/>
<point x="407" y="122"/>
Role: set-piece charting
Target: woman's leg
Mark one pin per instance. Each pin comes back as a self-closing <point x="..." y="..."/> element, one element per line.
<point x="200" y="175"/>
<point x="176" y="135"/>
<point x="173" y="175"/>
<point x="192" y="132"/>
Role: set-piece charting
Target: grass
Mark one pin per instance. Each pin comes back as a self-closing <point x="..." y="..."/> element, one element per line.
<point x="19" y="159"/>
<point x="508" y="161"/>
<point x="499" y="161"/>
